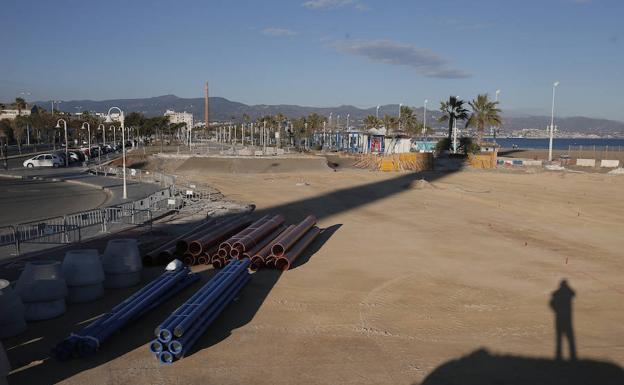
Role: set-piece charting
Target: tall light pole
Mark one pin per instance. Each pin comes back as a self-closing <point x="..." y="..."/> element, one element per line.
<point x="348" y="116"/>
<point x="58" y="125"/>
<point x="424" y="129"/>
<point x="123" y="145"/>
<point x="113" y="128"/>
<point x="496" y="128"/>
<point x="103" y="128"/>
<point x="89" y="133"/>
<point x="552" y="122"/>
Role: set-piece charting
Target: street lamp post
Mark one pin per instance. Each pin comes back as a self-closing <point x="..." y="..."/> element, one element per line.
<point x="424" y="129"/>
<point x="88" y="133"/>
<point x="123" y="145"/>
<point x="113" y="128"/>
<point x="377" y="112"/>
<point x="103" y="128"/>
<point x="495" y="128"/>
<point x="552" y="122"/>
<point x="58" y="125"/>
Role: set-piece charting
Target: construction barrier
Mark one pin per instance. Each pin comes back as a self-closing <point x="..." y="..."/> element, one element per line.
<point x="485" y="160"/>
<point x="409" y="161"/>
<point x="610" y="163"/>
<point x="586" y="162"/>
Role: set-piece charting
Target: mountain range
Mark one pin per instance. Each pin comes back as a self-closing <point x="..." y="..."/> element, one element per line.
<point x="222" y="109"/>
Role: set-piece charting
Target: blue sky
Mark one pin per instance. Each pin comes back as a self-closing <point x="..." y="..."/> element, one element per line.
<point x="320" y="52"/>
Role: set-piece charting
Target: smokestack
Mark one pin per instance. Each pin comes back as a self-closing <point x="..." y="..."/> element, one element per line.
<point x="206" y="108"/>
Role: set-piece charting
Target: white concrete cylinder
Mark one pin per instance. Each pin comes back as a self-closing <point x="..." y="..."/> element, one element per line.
<point x="122" y="256"/>
<point x="82" y="267"/>
<point x="12" y="321"/>
<point x="36" y="311"/>
<point x="41" y="281"/>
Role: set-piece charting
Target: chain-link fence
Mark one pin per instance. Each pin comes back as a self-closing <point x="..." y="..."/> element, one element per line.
<point x="596" y="152"/>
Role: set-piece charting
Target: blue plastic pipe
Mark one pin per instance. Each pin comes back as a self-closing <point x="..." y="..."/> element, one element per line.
<point x="206" y="301"/>
<point x="165" y="331"/>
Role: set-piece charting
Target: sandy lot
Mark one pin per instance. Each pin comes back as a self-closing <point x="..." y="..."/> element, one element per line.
<point x="409" y="276"/>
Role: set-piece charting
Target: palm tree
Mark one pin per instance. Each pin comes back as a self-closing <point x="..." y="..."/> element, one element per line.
<point x="484" y="113"/>
<point x="408" y="120"/>
<point x="371" y="121"/>
<point x="452" y="110"/>
<point x="20" y="104"/>
<point x="390" y="122"/>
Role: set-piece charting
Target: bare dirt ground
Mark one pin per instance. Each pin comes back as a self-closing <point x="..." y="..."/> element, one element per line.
<point x="410" y="281"/>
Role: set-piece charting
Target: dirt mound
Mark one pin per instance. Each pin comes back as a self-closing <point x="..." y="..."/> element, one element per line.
<point x="338" y="162"/>
<point x="420" y="184"/>
<point x="203" y="165"/>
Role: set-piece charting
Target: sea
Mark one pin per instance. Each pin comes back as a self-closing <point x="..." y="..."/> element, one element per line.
<point x="558" y="144"/>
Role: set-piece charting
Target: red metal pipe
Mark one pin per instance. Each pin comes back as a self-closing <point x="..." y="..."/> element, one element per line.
<point x="250" y="240"/>
<point x="266" y="250"/>
<point x="227" y="245"/>
<point x="188" y="259"/>
<point x="214" y="237"/>
<point x="203" y="260"/>
<point x="156" y="253"/>
<point x="268" y="239"/>
<point x="283" y="263"/>
<point x="284" y="244"/>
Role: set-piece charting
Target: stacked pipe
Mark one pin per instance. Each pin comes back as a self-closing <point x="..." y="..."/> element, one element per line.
<point x="88" y="340"/>
<point x="177" y="334"/>
<point x="193" y="246"/>
<point x="288" y="246"/>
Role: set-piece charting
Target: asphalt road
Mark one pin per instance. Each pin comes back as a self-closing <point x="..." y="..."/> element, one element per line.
<point x="25" y="200"/>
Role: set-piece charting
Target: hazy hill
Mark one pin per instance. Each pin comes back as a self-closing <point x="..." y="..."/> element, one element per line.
<point x="224" y="109"/>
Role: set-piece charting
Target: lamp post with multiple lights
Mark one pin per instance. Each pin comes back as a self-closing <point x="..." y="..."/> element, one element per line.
<point x="88" y="133"/>
<point x="552" y="122"/>
<point x="123" y="144"/>
<point x="58" y="125"/>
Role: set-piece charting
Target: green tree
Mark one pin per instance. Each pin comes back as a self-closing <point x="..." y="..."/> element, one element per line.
<point x="409" y="122"/>
<point x="485" y="112"/>
<point x="20" y="104"/>
<point x="19" y="125"/>
<point x="390" y="122"/>
<point x="452" y="110"/>
<point x="371" y="121"/>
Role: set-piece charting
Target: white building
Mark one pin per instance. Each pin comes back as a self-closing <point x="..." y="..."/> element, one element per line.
<point x="180" y="117"/>
<point x="12" y="114"/>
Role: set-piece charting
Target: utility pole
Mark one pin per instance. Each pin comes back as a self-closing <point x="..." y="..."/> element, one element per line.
<point x="552" y="122"/>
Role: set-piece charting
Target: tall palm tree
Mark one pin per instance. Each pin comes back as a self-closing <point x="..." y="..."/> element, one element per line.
<point x="20" y="104"/>
<point x="452" y="110"/>
<point x="408" y="120"/>
<point x="484" y="113"/>
<point x="371" y="121"/>
<point x="390" y="122"/>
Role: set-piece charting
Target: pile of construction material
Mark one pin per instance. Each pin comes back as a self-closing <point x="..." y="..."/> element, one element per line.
<point x="266" y="242"/>
<point x="88" y="340"/>
<point x="84" y="275"/>
<point x="198" y="244"/>
<point x="409" y="161"/>
<point x="177" y="334"/>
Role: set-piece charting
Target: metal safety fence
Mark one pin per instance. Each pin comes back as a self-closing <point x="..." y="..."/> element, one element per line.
<point x="75" y="227"/>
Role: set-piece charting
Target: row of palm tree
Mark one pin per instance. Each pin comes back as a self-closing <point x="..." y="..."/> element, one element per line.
<point x="485" y="113"/>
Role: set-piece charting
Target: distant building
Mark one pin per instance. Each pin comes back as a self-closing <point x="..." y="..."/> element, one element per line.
<point x="11" y="114"/>
<point x="180" y="117"/>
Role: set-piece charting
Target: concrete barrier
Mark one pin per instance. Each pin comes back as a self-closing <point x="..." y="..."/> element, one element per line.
<point x="586" y="162"/>
<point x="610" y="163"/>
<point x="530" y="163"/>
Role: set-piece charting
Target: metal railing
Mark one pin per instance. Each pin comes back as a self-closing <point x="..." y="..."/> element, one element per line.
<point x="74" y="227"/>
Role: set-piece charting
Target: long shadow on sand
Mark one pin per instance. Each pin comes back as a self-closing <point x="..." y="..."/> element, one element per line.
<point x="483" y="368"/>
<point x="34" y="345"/>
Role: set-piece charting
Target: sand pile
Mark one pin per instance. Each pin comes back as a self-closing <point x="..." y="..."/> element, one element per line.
<point x="420" y="184"/>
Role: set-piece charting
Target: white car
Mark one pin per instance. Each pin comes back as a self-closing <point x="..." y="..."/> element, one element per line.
<point x="43" y="160"/>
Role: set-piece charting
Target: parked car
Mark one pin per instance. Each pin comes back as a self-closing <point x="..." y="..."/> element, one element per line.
<point x="44" y="160"/>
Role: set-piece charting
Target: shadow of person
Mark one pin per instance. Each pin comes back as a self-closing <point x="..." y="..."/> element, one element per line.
<point x="561" y="304"/>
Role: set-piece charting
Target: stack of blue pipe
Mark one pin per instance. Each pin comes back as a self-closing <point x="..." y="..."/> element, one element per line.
<point x="88" y="340"/>
<point x="177" y="334"/>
